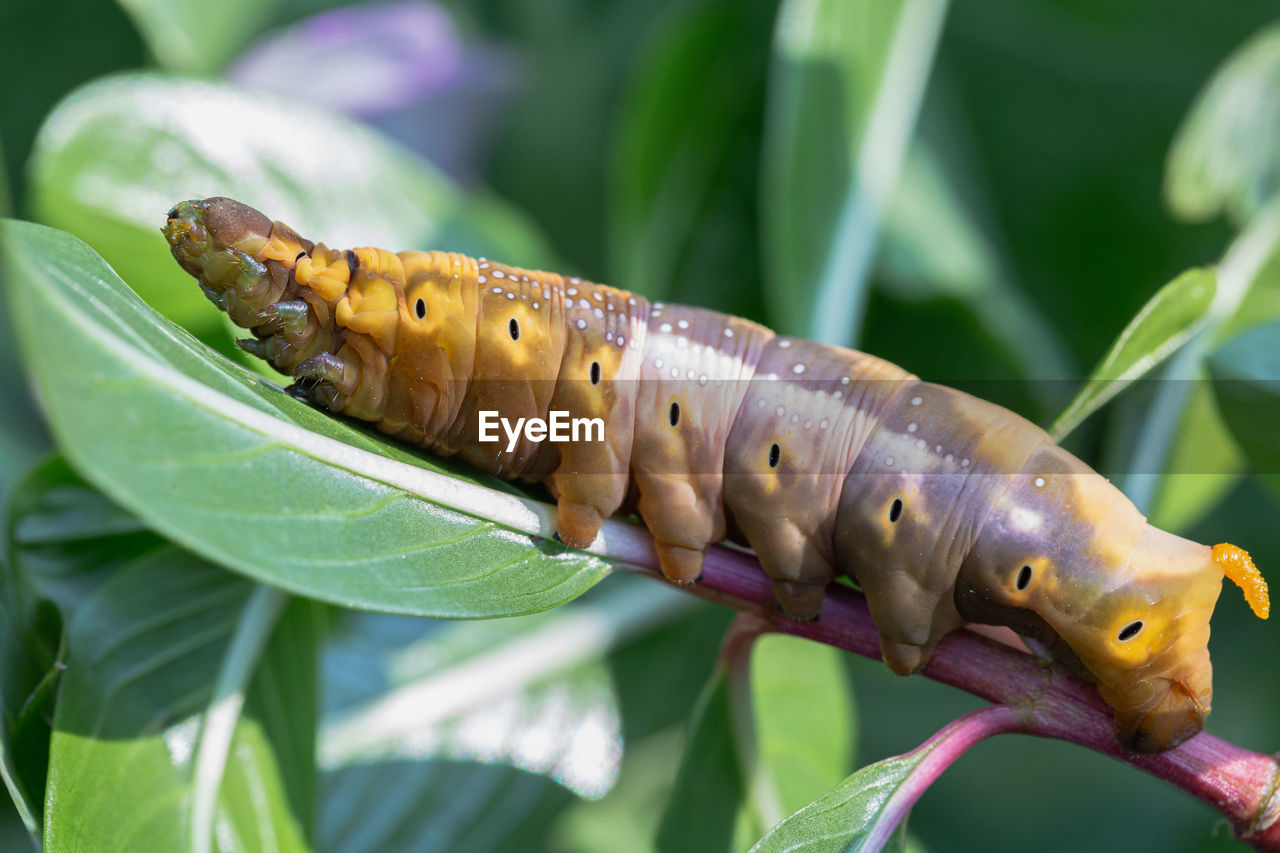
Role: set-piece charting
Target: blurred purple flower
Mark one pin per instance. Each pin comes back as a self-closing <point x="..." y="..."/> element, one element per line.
<point x="401" y="66"/>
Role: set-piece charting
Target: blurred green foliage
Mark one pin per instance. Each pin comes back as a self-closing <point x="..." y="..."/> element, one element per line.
<point x="1070" y="157"/>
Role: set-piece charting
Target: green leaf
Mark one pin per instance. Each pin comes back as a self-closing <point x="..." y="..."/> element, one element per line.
<point x="684" y="159"/>
<point x="935" y="246"/>
<point x="847" y="817"/>
<point x="62" y="539"/>
<point x="1226" y="155"/>
<point x="1246" y="383"/>
<point x="805" y="717"/>
<point x="169" y="139"/>
<point x="228" y="466"/>
<point x="64" y="536"/>
<point x="284" y="700"/>
<point x="191" y="36"/>
<point x="707" y="806"/>
<point x="846" y="83"/>
<point x="132" y="730"/>
<point x="1204" y="463"/>
<point x="1165" y="323"/>
<point x="411" y="702"/>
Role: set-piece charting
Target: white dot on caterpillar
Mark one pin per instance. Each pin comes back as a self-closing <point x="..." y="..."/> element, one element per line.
<point x="920" y="444"/>
<point x="837" y="395"/>
<point x="684" y="324"/>
<point x="692" y="373"/>
<point x="581" y="324"/>
<point x="609" y="306"/>
<point x="631" y="300"/>
<point x="728" y="333"/>
<point x="797" y="368"/>
<point x="659" y="305"/>
<point x="665" y="327"/>
<point x="599" y="314"/>
<point x="824" y="423"/>
<point x="784" y="343"/>
<point x="481" y="279"/>
<point x="915" y="401"/>
<point x="599" y="297"/>
<point x="573" y="291"/>
<point x="949" y="457"/>
<point x="497" y="290"/>
<point x="808" y="424"/>
<point x="795" y="419"/>
<point x="760" y="403"/>
<point x="964" y="463"/>
<point x="546" y="294"/>
<point x="657" y="362"/>
<point x="657" y="312"/>
<point x="702" y="379"/>
<point x="682" y="342"/>
<point x="584" y="304"/>
<point x="608" y="336"/>
<point x="573" y="279"/>
<point x="510" y="295"/>
<point x="937" y="448"/>
<point x="484" y="265"/>
<point x="889" y="461"/>
<point x="1039" y="482"/>
<point x="781" y="410"/>
<point x="913" y="426"/>
<point x="499" y="274"/>
<point x="535" y="306"/>
<point x="844" y="380"/>
<point x="675" y="373"/>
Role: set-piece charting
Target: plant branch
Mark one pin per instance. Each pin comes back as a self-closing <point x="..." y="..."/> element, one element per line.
<point x="1243" y="785"/>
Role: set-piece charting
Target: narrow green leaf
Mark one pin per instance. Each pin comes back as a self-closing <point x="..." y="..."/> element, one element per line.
<point x="284" y="700"/>
<point x="254" y="626"/>
<point x="935" y="246"/>
<point x="169" y="139"/>
<point x="1226" y="155"/>
<point x="1246" y="383"/>
<point x="846" y="83"/>
<point x="143" y="654"/>
<point x="195" y="37"/>
<point x="1204" y="463"/>
<point x="805" y="718"/>
<point x="1166" y="322"/>
<point x="228" y="466"/>
<point x="706" y="809"/>
<point x="685" y="149"/>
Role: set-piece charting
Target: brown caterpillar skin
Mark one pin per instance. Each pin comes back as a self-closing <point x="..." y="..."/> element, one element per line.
<point x="944" y="508"/>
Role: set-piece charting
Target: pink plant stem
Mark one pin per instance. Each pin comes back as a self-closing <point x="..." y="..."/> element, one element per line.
<point x="940" y="751"/>
<point x="1243" y="785"/>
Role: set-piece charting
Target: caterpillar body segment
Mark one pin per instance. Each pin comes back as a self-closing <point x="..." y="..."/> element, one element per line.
<point x="944" y="508"/>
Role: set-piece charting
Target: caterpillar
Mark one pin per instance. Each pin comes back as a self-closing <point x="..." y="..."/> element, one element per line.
<point x="943" y="508"/>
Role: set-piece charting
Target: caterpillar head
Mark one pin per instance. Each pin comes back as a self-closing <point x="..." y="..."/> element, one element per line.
<point x="215" y="240"/>
<point x="1064" y="557"/>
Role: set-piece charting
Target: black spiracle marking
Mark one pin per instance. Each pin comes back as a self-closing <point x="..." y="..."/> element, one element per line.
<point x="895" y="511"/>
<point x="673" y="415"/>
<point x="513" y="329"/>
<point x="775" y="455"/>
<point x="1128" y="632"/>
<point x="420" y="309"/>
<point x="1024" y="577"/>
<point x="595" y="373"/>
